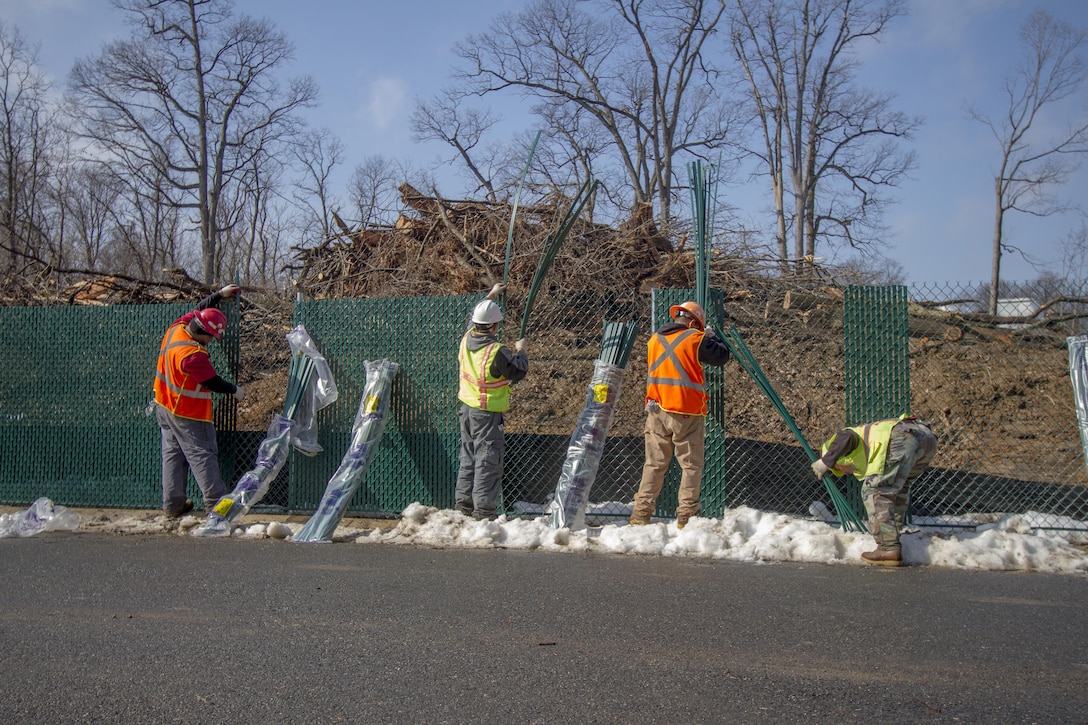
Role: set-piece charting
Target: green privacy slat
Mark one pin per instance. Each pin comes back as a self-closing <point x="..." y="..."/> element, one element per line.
<point x="877" y="362"/>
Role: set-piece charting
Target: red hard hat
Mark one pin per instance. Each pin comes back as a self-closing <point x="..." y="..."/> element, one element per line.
<point x="212" y="320"/>
<point x="691" y="309"/>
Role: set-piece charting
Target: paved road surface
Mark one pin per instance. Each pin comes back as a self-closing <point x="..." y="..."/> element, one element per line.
<point x="163" y="629"/>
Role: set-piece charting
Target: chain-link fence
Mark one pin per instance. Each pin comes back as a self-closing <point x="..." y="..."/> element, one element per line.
<point x="74" y="383"/>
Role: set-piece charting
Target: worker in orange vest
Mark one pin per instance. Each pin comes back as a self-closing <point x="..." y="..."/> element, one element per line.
<point x="184" y="383"/>
<point x="676" y="408"/>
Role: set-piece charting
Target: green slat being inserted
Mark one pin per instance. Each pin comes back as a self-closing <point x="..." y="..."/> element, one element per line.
<point x="849" y="518"/>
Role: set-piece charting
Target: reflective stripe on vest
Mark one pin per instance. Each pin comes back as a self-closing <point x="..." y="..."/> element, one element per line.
<point x="176" y="390"/>
<point x="479" y="388"/>
<point x="675" y="378"/>
<point x="871" y="453"/>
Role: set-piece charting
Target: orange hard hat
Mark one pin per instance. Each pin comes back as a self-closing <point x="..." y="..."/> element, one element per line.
<point x="212" y="320"/>
<point x="690" y="309"/>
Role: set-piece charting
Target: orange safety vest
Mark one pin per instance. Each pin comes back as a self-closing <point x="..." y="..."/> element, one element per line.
<point x="479" y="388"/>
<point x="676" y="380"/>
<point x="175" y="389"/>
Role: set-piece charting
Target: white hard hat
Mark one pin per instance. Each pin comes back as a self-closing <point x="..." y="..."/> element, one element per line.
<point x="486" y="313"/>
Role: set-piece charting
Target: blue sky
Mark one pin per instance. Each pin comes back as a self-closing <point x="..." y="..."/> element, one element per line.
<point x="372" y="59"/>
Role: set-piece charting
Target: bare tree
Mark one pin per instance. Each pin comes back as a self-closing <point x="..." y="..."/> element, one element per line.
<point x="25" y="126"/>
<point x="317" y="154"/>
<point x="1033" y="163"/>
<point x="637" y="68"/>
<point x="830" y="149"/>
<point x="447" y="119"/>
<point x="373" y="190"/>
<point x="188" y="102"/>
<point x="1075" y="254"/>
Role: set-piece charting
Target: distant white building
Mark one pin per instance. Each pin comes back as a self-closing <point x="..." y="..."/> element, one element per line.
<point x="1016" y="307"/>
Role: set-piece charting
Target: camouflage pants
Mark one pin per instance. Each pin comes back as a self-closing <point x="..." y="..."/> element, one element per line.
<point x="910" y="450"/>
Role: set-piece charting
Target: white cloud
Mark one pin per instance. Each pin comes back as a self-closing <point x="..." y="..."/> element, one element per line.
<point x="386" y="101"/>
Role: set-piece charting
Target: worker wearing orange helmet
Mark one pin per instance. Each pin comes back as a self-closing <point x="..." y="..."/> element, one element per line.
<point x="676" y="408"/>
<point x="184" y="383"/>
<point x="487" y="368"/>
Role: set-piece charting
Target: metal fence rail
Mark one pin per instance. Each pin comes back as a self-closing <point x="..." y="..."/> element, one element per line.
<point x="75" y="383"/>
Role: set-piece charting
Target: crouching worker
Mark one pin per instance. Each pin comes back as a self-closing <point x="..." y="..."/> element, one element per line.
<point x="887" y="456"/>
<point x="184" y="383"/>
<point x="487" y="369"/>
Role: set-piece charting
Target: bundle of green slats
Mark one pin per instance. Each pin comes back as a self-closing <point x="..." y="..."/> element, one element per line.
<point x="703" y="186"/>
<point x="849" y="518"/>
<point x="514" y="210"/>
<point x="617" y="342"/>
<point x="298" y="380"/>
<point x="581" y="198"/>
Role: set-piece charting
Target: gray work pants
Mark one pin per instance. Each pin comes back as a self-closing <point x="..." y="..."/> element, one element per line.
<point x="479" y="478"/>
<point x="188" y="445"/>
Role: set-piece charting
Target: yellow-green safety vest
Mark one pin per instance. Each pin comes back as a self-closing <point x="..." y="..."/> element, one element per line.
<point x="479" y="388"/>
<point x="868" y="457"/>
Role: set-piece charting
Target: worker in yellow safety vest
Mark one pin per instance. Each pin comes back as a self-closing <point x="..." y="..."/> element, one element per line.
<point x="184" y="383"/>
<point x="487" y="367"/>
<point x="887" y="456"/>
<point x="676" y="408"/>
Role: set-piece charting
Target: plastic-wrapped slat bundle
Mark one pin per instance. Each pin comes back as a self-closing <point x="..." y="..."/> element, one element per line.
<point x="568" y="506"/>
<point x="1078" y="374"/>
<point x="586" y="446"/>
<point x="310" y="387"/>
<point x="366" y="435"/>
<point x="253" y="485"/>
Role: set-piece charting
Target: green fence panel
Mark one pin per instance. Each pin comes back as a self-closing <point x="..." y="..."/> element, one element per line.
<point x="876" y="361"/>
<point x="877" y="355"/>
<point x="75" y="386"/>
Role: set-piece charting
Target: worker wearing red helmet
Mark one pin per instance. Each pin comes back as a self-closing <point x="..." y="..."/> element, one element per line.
<point x="676" y="408"/>
<point x="184" y="383"/>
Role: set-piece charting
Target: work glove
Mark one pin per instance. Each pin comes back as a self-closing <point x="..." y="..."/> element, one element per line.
<point x="820" y="468"/>
<point x="239" y="393"/>
<point x="497" y="290"/>
<point x="522" y="345"/>
<point x="228" y="292"/>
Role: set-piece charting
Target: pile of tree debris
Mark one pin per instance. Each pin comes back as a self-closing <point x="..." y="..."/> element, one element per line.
<point x="443" y="247"/>
<point x="30" y="289"/>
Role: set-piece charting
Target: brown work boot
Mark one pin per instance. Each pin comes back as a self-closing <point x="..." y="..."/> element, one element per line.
<point x="682" y="521"/>
<point x="638" y="521"/>
<point x="884" y="557"/>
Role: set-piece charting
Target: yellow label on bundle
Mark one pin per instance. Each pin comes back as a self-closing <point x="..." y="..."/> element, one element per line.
<point x="224" y="506"/>
<point x="371" y="405"/>
<point x="600" y="393"/>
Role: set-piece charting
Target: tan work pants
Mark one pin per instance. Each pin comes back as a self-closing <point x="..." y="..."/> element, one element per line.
<point x="668" y="434"/>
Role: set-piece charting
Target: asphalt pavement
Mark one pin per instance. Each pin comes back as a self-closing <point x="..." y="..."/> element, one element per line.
<point x="107" y="628"/>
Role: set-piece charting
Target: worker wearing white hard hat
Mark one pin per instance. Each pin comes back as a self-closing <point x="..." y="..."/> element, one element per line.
<point x="487" y="368"/>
